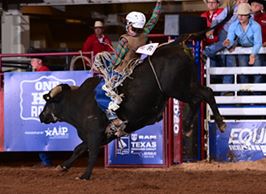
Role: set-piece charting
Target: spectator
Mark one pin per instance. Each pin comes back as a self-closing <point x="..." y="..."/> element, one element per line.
<point x="218" y="46"/>
<point x="210" y="51"/>
<point x="212" y="37"/>
<point x="248" y="34"/>
<point x="37" y="65"/>
<point x="211" y="14"/>
<point x="257" y="9"/>
<point x="98" y="41"/>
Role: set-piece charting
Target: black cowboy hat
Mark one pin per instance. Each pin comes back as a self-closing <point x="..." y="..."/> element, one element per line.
<point x="258" y="1"/>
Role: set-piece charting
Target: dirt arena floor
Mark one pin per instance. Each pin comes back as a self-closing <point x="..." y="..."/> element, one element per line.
<point x="29" y="177"/>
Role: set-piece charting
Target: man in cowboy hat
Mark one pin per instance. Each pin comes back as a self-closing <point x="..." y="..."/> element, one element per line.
<point x="211" y="50"/>
<point x="257" y="9"/>
<point x="248" y="34"/>
<point x="98" y="41"/>
<point x="218" y="46"/>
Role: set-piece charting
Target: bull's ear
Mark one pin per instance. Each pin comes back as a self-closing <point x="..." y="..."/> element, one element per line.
<point x="65" y="87"/>
<point x="46" y="97"/>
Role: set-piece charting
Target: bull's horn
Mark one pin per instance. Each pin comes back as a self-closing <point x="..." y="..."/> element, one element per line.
<point x="74" y="87"/>
<point x="56" y="90"/>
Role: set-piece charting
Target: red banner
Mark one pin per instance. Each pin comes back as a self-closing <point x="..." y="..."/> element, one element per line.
<point x="1" y="119"/>
<point x="177" y="128"/>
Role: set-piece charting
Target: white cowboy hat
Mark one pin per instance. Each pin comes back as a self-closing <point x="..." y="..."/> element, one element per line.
<point x="243" y="9"/>
<point x="218" y="1"/>
<point x="98" y="24"/>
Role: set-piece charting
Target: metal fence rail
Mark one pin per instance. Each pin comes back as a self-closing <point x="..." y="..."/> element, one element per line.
<point x="243" y="108"/>
<point x="28" y="55"/>
<point x="238" y="104"/>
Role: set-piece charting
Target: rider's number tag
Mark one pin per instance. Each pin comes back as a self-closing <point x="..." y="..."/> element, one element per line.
<point x="147" y="49"/>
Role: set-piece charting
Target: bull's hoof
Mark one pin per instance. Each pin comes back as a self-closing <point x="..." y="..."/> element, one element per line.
<point x="79" y="178"/>
<point x="83" y="177"/>
<point x="61" y="168"/>
<point x="222" y="127"/>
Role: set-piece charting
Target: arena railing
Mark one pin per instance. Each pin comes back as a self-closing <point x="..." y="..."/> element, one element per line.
<point x="78" y="55"/>
<point x="253" y="103"/>
<point x="246" y="103"/>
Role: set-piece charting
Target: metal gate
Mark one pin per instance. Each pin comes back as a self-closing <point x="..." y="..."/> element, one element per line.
<point x="244" y="110"/>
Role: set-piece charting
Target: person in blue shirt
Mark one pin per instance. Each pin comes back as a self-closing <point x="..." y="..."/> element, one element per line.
<point x="245" y="32"/>
<point x="213" y="49"/>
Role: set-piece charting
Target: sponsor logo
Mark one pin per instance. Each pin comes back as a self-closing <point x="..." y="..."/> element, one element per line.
<point x="33" y="132"/>
<point x="57" y="132"/>
<point x="242" y="139"/>
<point x="144" y="145"/>
<point x="176" y="115"/>
<point x="122" y="145"/>
<point x="150" y="137"/>
<point x="31" y="95"/>
<point x="134" y="137"/>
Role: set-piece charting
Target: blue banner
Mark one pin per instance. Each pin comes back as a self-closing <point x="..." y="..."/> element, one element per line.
<point x="23" y="102"/>
<point x="142" y="147"/>
<point x="242" y="141"/>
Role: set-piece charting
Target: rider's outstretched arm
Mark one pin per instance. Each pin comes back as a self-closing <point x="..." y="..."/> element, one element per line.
<point x="154" y="17"/>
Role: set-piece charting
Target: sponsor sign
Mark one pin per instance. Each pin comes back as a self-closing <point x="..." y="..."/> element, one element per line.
<point x="23" y="102"/>
<point x="177" y="131"/>
<point x="176" y="116"/>
<point x="142" y="147"/>
<point x="241" y="141"/>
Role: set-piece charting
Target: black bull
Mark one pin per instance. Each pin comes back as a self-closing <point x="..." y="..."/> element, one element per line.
<point x="142" y="105"/>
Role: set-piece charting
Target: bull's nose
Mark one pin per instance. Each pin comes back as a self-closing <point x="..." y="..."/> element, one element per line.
<point x="46" y="118"/>
<point x="41" y="117"/>
<point x="41" y="120"/>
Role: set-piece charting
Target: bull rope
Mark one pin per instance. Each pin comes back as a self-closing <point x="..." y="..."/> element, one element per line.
<point x="152" y="67"/>
<point x="83" y="62"/>
<point x="155" y="75"/>
<point x="101" y="64"/>
<point x="83" y="58"/>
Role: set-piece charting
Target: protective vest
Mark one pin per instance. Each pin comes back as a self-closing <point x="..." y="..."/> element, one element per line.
<point x="134" y="42"/>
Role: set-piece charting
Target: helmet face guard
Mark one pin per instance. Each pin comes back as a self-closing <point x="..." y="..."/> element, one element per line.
<point x="127" y="25"/>
<point x="136" y="20"/>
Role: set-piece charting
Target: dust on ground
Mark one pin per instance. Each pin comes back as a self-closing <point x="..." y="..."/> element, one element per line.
<point x="187" y="178"/>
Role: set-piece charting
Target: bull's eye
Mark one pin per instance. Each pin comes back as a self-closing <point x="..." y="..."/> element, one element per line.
<point x="46" y="97"/>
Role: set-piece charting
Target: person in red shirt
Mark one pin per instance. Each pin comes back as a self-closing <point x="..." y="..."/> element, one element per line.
<point x="212" y="36"/>
<point x="37" y="65"/>
<point x="257" y="8"/>
<point x="211" y="14"/>
<point x="97" y="42"/>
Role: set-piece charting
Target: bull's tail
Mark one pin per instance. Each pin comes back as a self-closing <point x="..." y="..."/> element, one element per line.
<point x="199" y="35"/>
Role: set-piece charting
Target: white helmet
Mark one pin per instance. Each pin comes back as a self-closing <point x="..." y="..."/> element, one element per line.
<point x="136" y="19"/>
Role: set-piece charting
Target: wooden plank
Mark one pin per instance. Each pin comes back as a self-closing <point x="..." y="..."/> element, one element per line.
<point x="238" y="87"/>
<point x="238" y="111"/>
<point x="240" y="99"/>
<point x="236" y="70"/>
